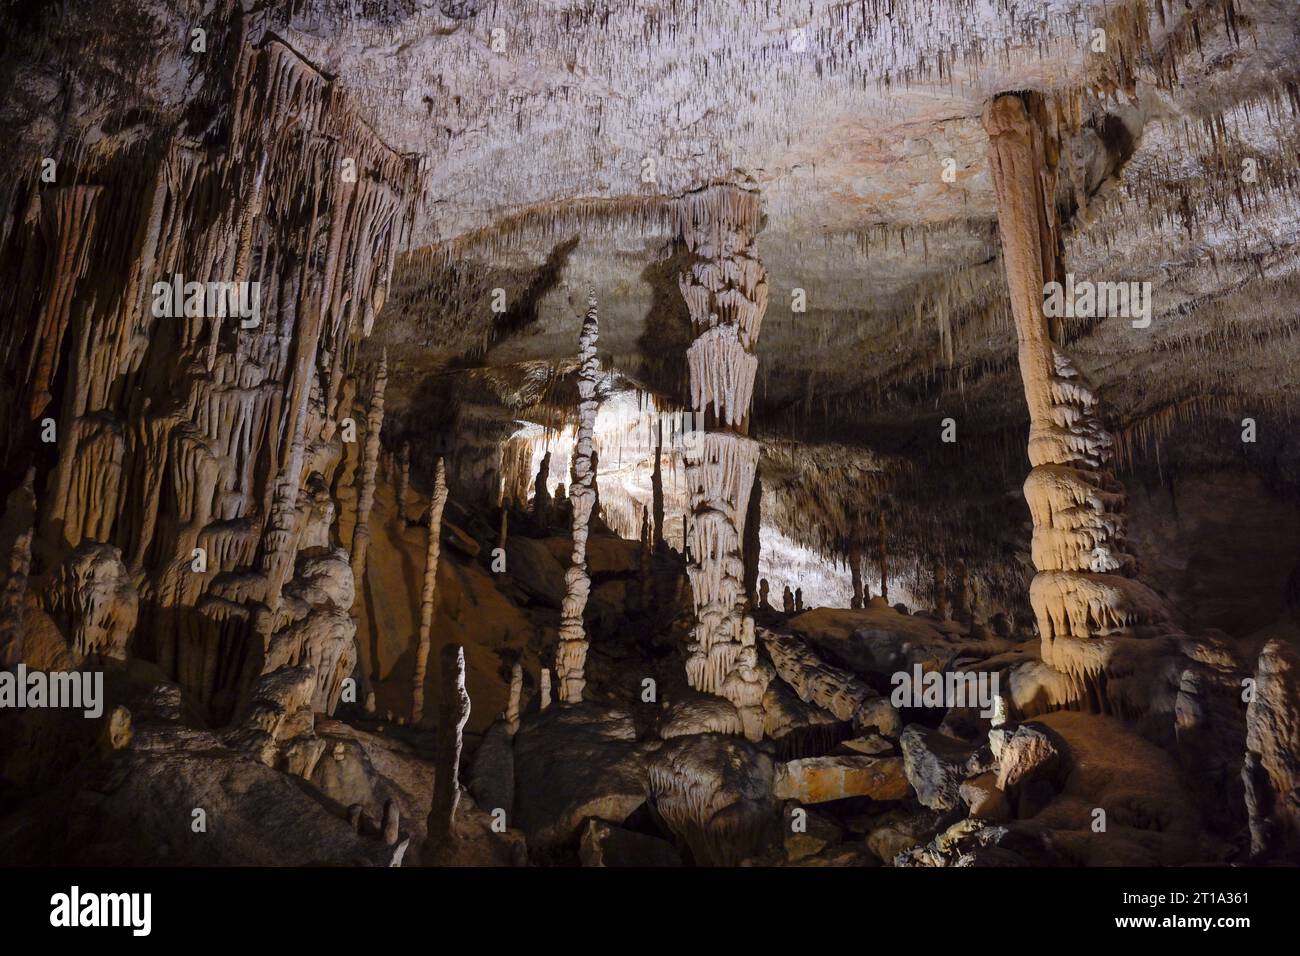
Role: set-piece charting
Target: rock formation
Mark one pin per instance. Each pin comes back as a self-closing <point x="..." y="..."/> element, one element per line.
<point x="571" y="654"/>
<point x="429" y="596"/>
<point x="453" y="713"/>
<point x="369" y="467"/>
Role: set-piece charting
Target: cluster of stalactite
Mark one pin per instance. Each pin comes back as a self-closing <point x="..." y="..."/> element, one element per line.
<point x="725" y="287"/>
<point x="571" y="653"/>
<point x="199" y="442"/>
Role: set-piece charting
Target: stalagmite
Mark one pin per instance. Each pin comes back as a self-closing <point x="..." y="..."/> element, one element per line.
<point x="19" y="513"/>
<point x="961" y="594"/>
<point x="762" y="595"/>
<point x="392" y="822"/>
<point x="941" y="591"/>
<point x="855" y="573"/>
<point x="798" y="600"/>
<point x="1271" y="772"/>
<point x="883" y="552"/>
<point x="370" y="464"/>
<point x="657" y="486"/>
<point x="453" y="714"/>
<point x="512" y="702"/>
<point x="429" y="597"/>
<point x="571" y="654"/>
<point x="502" y="533"/>
<point x="403" y="483"/>
<point x="725" y="288"/>
<point x="787" y="600"/>
<point x="544" y="689"/>
<point x="542" y="495"/>
<point x="648" y="587"/>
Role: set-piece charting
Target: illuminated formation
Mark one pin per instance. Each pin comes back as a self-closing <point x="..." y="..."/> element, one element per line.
<point x="725" y="289"/>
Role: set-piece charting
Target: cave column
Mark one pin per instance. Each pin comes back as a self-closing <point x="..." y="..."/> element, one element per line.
<point x="1081" y="591"/>
<point x="571" y="654"/>
<point x="725" y="287"/>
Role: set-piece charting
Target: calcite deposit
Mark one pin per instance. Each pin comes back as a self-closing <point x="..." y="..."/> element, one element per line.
<point x="536" y="434"/>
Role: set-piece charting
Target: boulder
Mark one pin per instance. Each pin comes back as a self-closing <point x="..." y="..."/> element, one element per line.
<point x="936" y="765"/>
<point x="714" y="792"/>
<point x="985" y="800"/>
<point x="573" y="763"/>
<point x="820" y="779"/>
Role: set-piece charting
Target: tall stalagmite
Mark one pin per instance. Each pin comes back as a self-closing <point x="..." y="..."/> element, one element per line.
<point x="453" y="714"/>
<point x="571" y="654"/>
<point x="429" y="597"/>
<point x="725" y="287"/>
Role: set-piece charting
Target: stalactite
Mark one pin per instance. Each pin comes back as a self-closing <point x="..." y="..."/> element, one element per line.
<point x="369" y="465"/>
<point x="571" y="654"/>
<point x="453" y="714"/>
<point x="429" y="596"/>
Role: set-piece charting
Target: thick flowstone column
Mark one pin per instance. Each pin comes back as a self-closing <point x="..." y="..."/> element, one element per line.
<point x="571" y="654"/>
<point x="725" y="288"/>
<point x="1083" y="594"/>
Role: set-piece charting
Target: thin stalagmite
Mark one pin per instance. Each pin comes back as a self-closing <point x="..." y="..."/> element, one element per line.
<point x="369" y="466"/>
<point x="429" y="596"/>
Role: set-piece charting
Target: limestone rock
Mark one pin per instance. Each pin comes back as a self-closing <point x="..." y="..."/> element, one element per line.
<point x="573" y="763"/>
<point x="715" y="793"/>
<point x="819" y="779"/>
<point x="936" y="765"/>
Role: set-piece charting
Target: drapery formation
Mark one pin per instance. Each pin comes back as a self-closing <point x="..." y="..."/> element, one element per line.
<point x="197" y="432"/>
